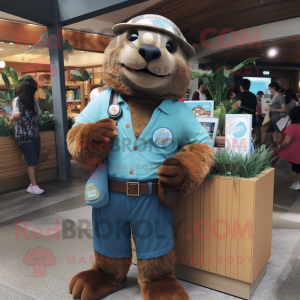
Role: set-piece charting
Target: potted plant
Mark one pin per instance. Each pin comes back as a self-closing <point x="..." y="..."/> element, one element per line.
<point x="11" y="81"/>
<point x="223" y="230"/>
<point x="13" y="169"/>
<point x="218" y="85"/>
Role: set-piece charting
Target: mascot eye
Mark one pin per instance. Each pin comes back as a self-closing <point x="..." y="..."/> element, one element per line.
<point x="170" y="47"/>
<point x="133" y="36"/>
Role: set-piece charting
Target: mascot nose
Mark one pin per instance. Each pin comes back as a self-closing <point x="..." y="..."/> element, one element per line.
<point x="149" y="52"/>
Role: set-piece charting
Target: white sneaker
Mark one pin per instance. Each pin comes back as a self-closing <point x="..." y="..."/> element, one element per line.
<point x="34" y="189"/>
<point x="295" y="186"/>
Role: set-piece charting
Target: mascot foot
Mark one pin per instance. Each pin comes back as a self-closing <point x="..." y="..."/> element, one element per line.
<point x="92" y="285"/>
<point x="104" y="278"/>
<point x="164" y="289"/>
<point x="157" y="280"/>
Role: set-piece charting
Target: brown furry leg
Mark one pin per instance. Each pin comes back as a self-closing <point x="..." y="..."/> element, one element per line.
<point x="106" y="276"/>
<point x="157" y="280"/>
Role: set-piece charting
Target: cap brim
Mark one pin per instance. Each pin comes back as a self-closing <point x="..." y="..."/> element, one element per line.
<point x="188" y="50"/>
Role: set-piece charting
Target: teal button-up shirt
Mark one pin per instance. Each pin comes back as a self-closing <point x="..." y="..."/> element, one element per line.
<point x="172" y="126"/>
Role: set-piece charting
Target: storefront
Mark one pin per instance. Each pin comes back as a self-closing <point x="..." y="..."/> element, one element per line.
<point x="15" y="40"/>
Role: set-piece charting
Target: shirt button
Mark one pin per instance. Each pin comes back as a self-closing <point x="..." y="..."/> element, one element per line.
<point x="127" y="125"/>
<point x="134" y="148"/>
<point x="131" y="172"/>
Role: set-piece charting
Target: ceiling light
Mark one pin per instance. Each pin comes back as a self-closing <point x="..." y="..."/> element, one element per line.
<point x="11" y="43"/>
<point x="1" y="49"/>
<point x="2" y="64"/>
<point x="1" y="42"/>
<point x="272" y="53"/>
<point x="30" y="24"/>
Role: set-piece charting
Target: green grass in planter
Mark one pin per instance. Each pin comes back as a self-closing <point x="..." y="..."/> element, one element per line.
<point x="6" y="127"/>
<point x="71" y="122"/>
<point x="235" y="165"/>
<point x="46" y="123"/>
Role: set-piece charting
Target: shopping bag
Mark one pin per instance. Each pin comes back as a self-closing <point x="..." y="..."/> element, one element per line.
<point x="275" y="156"/>
<point x="267" y="119"/>
<point x="96" y="188"/>
<point x="281" y="124"/>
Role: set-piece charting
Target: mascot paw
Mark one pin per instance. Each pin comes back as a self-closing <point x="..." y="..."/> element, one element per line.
<point x="165" y="289"/>
<point x="101" y="131"/>
<point x="91" y="285"/>
<point x="171" y="174"/>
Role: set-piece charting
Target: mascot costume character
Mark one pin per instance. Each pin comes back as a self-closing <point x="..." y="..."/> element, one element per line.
<point x="157" y="144"/>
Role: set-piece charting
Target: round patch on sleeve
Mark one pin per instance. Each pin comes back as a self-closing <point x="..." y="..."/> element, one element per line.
<point x="162" y="137"/>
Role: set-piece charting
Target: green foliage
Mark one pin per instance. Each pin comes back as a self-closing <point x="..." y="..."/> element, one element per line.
<point x="45" y="123"/>
<point x="6" y="127"/>
<point x="220" y="112"/>
<point x="71" y="122"/>
<point x="236" y="165"/>
<point x="46" y="104"/>
<point x="11" y="73"/>
<point x="80" y="74"/>
<point x="218" y="82"/>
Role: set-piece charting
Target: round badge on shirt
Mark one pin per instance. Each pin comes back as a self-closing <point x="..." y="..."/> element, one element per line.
<point x="162" y="137"/>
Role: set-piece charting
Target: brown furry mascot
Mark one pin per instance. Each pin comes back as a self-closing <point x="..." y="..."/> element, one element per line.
<point x="156" y="139"/>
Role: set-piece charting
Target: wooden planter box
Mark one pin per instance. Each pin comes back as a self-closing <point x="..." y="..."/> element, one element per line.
<point x="223" y="233"/>
<point x="13" y="170"/>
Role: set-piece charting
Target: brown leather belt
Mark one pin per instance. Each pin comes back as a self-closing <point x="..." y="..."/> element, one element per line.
<point x="131" y="188"/>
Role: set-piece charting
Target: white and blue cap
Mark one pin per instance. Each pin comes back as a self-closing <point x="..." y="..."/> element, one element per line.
<point x="159" y="23"/>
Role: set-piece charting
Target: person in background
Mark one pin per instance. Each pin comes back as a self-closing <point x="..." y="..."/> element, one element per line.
<point x="282" y="91"/>
<point x="25" y="113"/>
<point x="290" y="101"/>
<point x="199" y="94"/>
<point x="277" y="111"/>
<point x="248" y="100"/>
<point x="259" y="96"/>
<point x="259" y="118"/>
<point x="289" y="149"/>
<point x="259" y="115"/>
<point x="298" y="96"/>
<point x="233" y="94"/>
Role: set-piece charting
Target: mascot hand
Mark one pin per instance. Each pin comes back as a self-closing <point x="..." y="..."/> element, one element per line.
<point x="91" y="140"/>
<point x="171" y="174"/>
<point x="187" y="169"/>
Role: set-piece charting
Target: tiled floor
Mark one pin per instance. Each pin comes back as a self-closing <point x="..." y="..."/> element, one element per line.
<point x="70" y="246"/>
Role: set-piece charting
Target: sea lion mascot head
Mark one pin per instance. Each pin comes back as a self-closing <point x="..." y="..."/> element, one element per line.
<point x="148" y="56"/>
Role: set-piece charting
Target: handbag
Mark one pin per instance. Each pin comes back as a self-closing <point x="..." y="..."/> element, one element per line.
<point x="267" y="119"/>
<point x="275" y="155"/>
<point x="96" y="188"/>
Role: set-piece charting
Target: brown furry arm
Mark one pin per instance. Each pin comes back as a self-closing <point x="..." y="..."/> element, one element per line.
<point x="187" y="169"/>
<point x="90" y="141"/>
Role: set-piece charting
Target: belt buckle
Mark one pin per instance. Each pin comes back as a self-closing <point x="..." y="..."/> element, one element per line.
<point x="130" y="183"/>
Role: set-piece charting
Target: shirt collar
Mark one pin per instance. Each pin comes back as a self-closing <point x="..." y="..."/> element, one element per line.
<point x="164" y="106"/>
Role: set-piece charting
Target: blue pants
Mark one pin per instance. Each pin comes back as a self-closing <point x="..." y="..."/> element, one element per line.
<point x="151" y="223"/>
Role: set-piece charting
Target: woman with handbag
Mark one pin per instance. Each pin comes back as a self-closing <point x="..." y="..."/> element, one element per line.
<point x="289" y="148"/>
<point x="25" y="113"/>
<point x="277" y="111"/>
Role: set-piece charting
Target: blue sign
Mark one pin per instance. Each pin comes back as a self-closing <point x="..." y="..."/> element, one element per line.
<point x="239" y="130"/>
